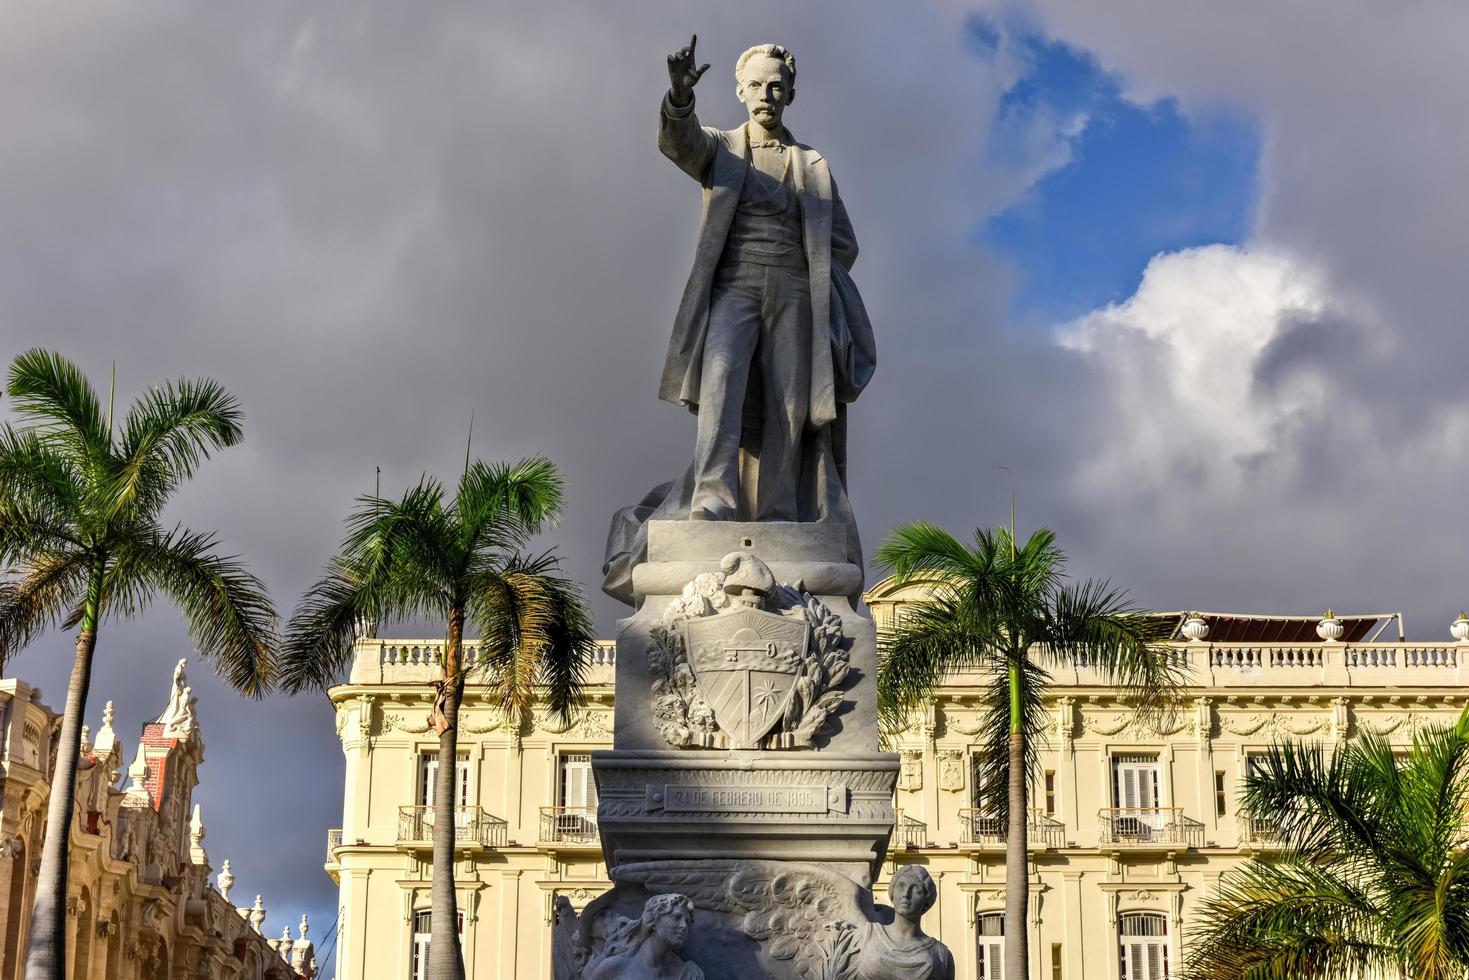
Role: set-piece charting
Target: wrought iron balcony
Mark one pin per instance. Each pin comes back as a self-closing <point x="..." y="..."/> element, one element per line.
<point x="909" y="831"/>
<point x="569" y="825"/>
<point x="1258" y="831"/>
<point x="473" y="827"/>
<point x="1149" y="826"/>
<point x="333" y="841"/>
<point x="982" y="827"/>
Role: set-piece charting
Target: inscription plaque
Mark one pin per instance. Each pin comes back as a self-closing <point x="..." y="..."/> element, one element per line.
<point x="682" y="798"/>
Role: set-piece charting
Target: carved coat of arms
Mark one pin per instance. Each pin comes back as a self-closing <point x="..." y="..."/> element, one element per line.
<point x="742" y="662"/>
<point x="746" y="663"/>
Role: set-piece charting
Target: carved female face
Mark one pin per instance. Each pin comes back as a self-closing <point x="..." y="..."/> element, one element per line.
<point x="912" y="892"/>
<point x="673" y="927"/>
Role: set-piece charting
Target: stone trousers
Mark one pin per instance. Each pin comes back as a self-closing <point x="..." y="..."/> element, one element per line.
<point x="760" y="320"/>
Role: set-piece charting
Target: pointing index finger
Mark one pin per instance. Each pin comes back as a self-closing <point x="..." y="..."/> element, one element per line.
<point x="693" y="40"/>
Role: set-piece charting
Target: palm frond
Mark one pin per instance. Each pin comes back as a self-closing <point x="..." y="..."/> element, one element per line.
<point x="317" y="647"/>
<point x="921" y="548"/>
<point x="1095" y="622"/>
<point x="227" y="610"/>
<point x="52" y="394"/>
<point x="34" y="477"/>
<point x="533" y="629"/>
<point x="567" y="638"/>
<point x="930" y="640"/>
<point x="42" y="597"/>
<point x="406" y="550"/>
<point x="1289" y="919"/>
<point x="500" y="506"/>
<point x="165" y="436"/>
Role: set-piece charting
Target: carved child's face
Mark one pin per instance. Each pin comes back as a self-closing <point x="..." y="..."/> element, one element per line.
<point x="766" y="90"/>
<point x="673" y="927"/>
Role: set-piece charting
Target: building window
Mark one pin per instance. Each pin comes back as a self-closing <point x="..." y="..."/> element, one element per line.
<point x="985" y="794"/>
<point x="1135" y="795"/>
<point x="992" y="946"/>
<point x="422" y="933"/>
<point x="1220" y="808"/>
<point x="1143" y="942"/>
<point x="428" y="770"/>
<point x="1056" y="961"/>
<point x="1050" y="793"/>
<point x="578" y="788"/>
<point x="576" y="820"/>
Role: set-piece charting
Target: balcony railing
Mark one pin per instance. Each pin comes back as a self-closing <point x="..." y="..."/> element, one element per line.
<point x="984" y="828"/>
<point x="1379" y="664"/>
<point x="383" y="661"/>
<point x="333" y="841"/>
<point x="472" y="827"/>
<point x="909" y="831"/>
<point x="1258" y="831"/>
<point x="1148" y="826"/>
<point x="569" y="825"/>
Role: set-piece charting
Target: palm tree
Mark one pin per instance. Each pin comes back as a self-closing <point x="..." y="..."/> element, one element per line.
<point x="463" y="562"/>
<point x="1372" y="878"/>
<point x="80" y="540"/>
<point x="1006" y="610"/>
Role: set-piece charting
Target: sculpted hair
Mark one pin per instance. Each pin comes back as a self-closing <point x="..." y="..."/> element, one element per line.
<point x="660" y="905"/>
<point x="930" y="889"/>
<point x="766" y="51"/>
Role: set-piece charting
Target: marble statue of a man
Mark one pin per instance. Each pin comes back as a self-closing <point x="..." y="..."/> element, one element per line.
<point x="771" y="339"/>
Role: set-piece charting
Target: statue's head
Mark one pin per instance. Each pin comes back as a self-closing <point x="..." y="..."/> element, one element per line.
<point x="765" y="81"/>
<point x="668" y="917"/>
<point x="912" y="891"/>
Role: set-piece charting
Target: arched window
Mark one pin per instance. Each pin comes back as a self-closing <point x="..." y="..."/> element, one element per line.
<point x="1144" y="946"/>
<point x="992" y="946"/>
<point x="423" y="927"/>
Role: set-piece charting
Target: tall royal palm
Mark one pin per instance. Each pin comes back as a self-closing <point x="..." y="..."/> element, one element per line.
<point x="1005" y="609"/>
<point x="81" y="541"/>
<point x="461" y="561"/>
<point x="1372" y="879"/>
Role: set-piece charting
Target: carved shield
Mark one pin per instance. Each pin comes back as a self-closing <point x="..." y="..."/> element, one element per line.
<point x="746" y="662"/>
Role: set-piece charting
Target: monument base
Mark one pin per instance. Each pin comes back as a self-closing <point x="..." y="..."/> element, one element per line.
<point x="744" y="809"/>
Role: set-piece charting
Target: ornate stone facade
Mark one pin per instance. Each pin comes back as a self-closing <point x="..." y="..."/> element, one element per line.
<point x="1097" y="864"/>
<point x="140" y="900"/>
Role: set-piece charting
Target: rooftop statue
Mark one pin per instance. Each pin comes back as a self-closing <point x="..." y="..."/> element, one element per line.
<point x="771" y="340"/>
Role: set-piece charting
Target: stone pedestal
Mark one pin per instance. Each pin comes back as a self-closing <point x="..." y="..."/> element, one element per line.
<point x="745" y="772"/>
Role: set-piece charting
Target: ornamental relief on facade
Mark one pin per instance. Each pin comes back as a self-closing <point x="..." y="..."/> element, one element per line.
<point x="1127" y="725"/>
<point x="591" y="726"/>
<point x="951" y="770"/>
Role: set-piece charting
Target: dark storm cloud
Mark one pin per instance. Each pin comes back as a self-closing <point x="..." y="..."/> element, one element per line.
<point x="370" y="220"/>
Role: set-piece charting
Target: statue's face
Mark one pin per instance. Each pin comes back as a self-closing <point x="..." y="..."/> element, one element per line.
<point x="909" y="894"/>
<point x="765" y="89"/>
<point x="673" y="928"/>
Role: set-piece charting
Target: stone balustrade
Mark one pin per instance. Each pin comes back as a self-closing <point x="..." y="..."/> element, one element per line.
<point x="1393" y="664"/>
<point x="412" y="661"/>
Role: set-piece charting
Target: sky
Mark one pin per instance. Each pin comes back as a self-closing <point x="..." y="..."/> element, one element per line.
<point x="1191" y="272"/>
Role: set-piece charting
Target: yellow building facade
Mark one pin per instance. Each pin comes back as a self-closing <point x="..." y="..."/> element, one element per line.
<point x="1132" y="823"/>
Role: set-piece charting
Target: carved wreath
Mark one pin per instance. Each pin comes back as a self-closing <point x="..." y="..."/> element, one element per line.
<point x="683" y="716"/>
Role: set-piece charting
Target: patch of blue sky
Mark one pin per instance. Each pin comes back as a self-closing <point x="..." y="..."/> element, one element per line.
<point x="1125" y="181"/>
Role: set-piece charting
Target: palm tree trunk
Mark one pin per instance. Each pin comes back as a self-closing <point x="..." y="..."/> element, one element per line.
<point x="1017" y="878"/>
<point x="46" y="944"/>
<point x="445" y="962"/>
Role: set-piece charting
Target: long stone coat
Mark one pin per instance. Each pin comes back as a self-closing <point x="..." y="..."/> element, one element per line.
<point x="843" y="357"/>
